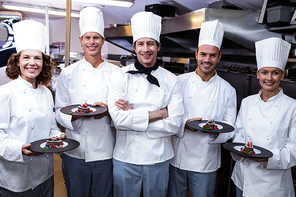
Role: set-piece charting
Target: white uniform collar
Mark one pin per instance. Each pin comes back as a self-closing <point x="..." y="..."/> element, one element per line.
<point x="272" y="99"/>
<point x="212" y="79"/>
<point x="24" y="84"/>
<point x="89" y="65"/>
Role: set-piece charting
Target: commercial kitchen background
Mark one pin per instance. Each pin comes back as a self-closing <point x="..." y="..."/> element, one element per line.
<point x="246" y="22"/>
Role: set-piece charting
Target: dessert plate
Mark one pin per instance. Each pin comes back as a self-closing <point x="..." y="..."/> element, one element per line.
<point x="235" y="147"/>
<point x="96" y="110"/>
<point x="69" y="144"/>
<point x="222" y="127"/>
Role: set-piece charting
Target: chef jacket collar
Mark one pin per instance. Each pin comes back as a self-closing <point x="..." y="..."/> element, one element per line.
<point x="90" y="66"/>
<point x="272" y="99"/>
<point x="212" y="80"/>
<point x="24" y="84"/>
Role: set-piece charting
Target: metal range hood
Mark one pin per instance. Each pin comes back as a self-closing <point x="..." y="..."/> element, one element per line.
<point x="179" y="35"/>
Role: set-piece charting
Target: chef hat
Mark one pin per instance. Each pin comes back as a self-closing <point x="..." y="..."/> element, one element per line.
<point x="272" y="52"/>
<point x="91" y="20"/>
<point x="146" y="25"/>
<point x="29" y="34"/>
<point x="211" y="33"/>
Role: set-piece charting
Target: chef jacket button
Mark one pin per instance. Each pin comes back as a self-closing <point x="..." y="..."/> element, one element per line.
<point x="137" y="134"/>
<point x="268" y="138"/>
<point x="31" y="159"/>
<point x="84" y="69"/>
<point x="271" y="122"/>
<point x="248" y="135"/>
<point x="193" y="82"/>
<point x="32" y="127"/>
<point x="276" y="106"/>
<point x="46" y="155"/>
<point x="190" y="97"/>
<point x="84" y="85"/>
<point x="211" y="101"/>
<point x="263" y="171"/>
<point x="250" y="119"/>
<point x="30" y="110"/>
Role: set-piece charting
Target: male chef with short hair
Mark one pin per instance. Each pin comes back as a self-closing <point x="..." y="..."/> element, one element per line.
<point x="205" y="96"/>
<point x="145" y="103"/>
<point x="87" y="168"/>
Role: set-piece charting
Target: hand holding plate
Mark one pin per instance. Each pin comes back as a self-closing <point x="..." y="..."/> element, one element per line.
<point x="258" y="159"/>
<point x="106" y="113"/>
<point x="26" y="151"/>
<point x="189" y="120"/>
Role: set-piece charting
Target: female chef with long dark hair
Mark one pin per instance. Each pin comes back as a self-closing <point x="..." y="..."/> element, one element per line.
<point x="268" y="120"/>
<point x="27" y="115"/>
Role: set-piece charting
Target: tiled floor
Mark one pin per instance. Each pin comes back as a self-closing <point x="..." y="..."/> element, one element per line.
<point x="59" y="186"/>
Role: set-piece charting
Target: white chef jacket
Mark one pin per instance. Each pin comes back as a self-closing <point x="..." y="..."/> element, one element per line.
<point x="82" y="82"/>
<point x="198" y="151"/>
<point x="271" y="125"/>
<point x="137" y="141"/>
<point x="26" y="115"/>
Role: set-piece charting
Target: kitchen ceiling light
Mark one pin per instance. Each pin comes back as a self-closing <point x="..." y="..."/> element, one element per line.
<point x="37" y="9"/>
<point x="120" y="3"/>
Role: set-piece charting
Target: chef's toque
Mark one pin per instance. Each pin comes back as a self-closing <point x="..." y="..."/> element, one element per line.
<point x="211" y="33"/>
<point x="146" y="25"/>
<point x="272" y="52"/>
<point x="29" y="34"/>
<point x="91" y="20"/>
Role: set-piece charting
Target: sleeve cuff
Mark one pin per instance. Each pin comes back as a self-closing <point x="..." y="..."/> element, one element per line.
<point x="140" y="120"/>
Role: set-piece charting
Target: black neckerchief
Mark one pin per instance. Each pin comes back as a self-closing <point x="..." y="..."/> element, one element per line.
<point x="147" y="71"/>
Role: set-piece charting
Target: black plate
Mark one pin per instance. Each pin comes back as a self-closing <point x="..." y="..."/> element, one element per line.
<point x="198" y="124"/>
<point x="71" y="144"/>
<point x="96" y="110"/>
<point x="264" y="153"/>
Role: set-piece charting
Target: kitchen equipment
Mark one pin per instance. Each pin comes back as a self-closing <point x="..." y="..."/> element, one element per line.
<point x="279" y="15"/>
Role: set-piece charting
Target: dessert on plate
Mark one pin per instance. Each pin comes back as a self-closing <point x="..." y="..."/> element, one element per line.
<point x="83" y="108"/>
<point x="53" y="143"/>
<point x="210" y="125"/>
<point x="248" y="149"/>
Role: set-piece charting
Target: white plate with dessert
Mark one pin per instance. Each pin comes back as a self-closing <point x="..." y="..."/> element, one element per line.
<point x="53" y="145"/>
<point x="247" y="150"/>
<point x="210" y="126"/>
<point x="83" y="110"/>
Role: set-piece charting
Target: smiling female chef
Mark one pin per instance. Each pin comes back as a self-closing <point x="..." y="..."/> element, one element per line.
<point x="27" y="115"/>
<point x="268" y="120"/>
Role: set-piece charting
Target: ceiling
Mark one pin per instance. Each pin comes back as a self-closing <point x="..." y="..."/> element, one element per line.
<point x="120" y="15"/>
